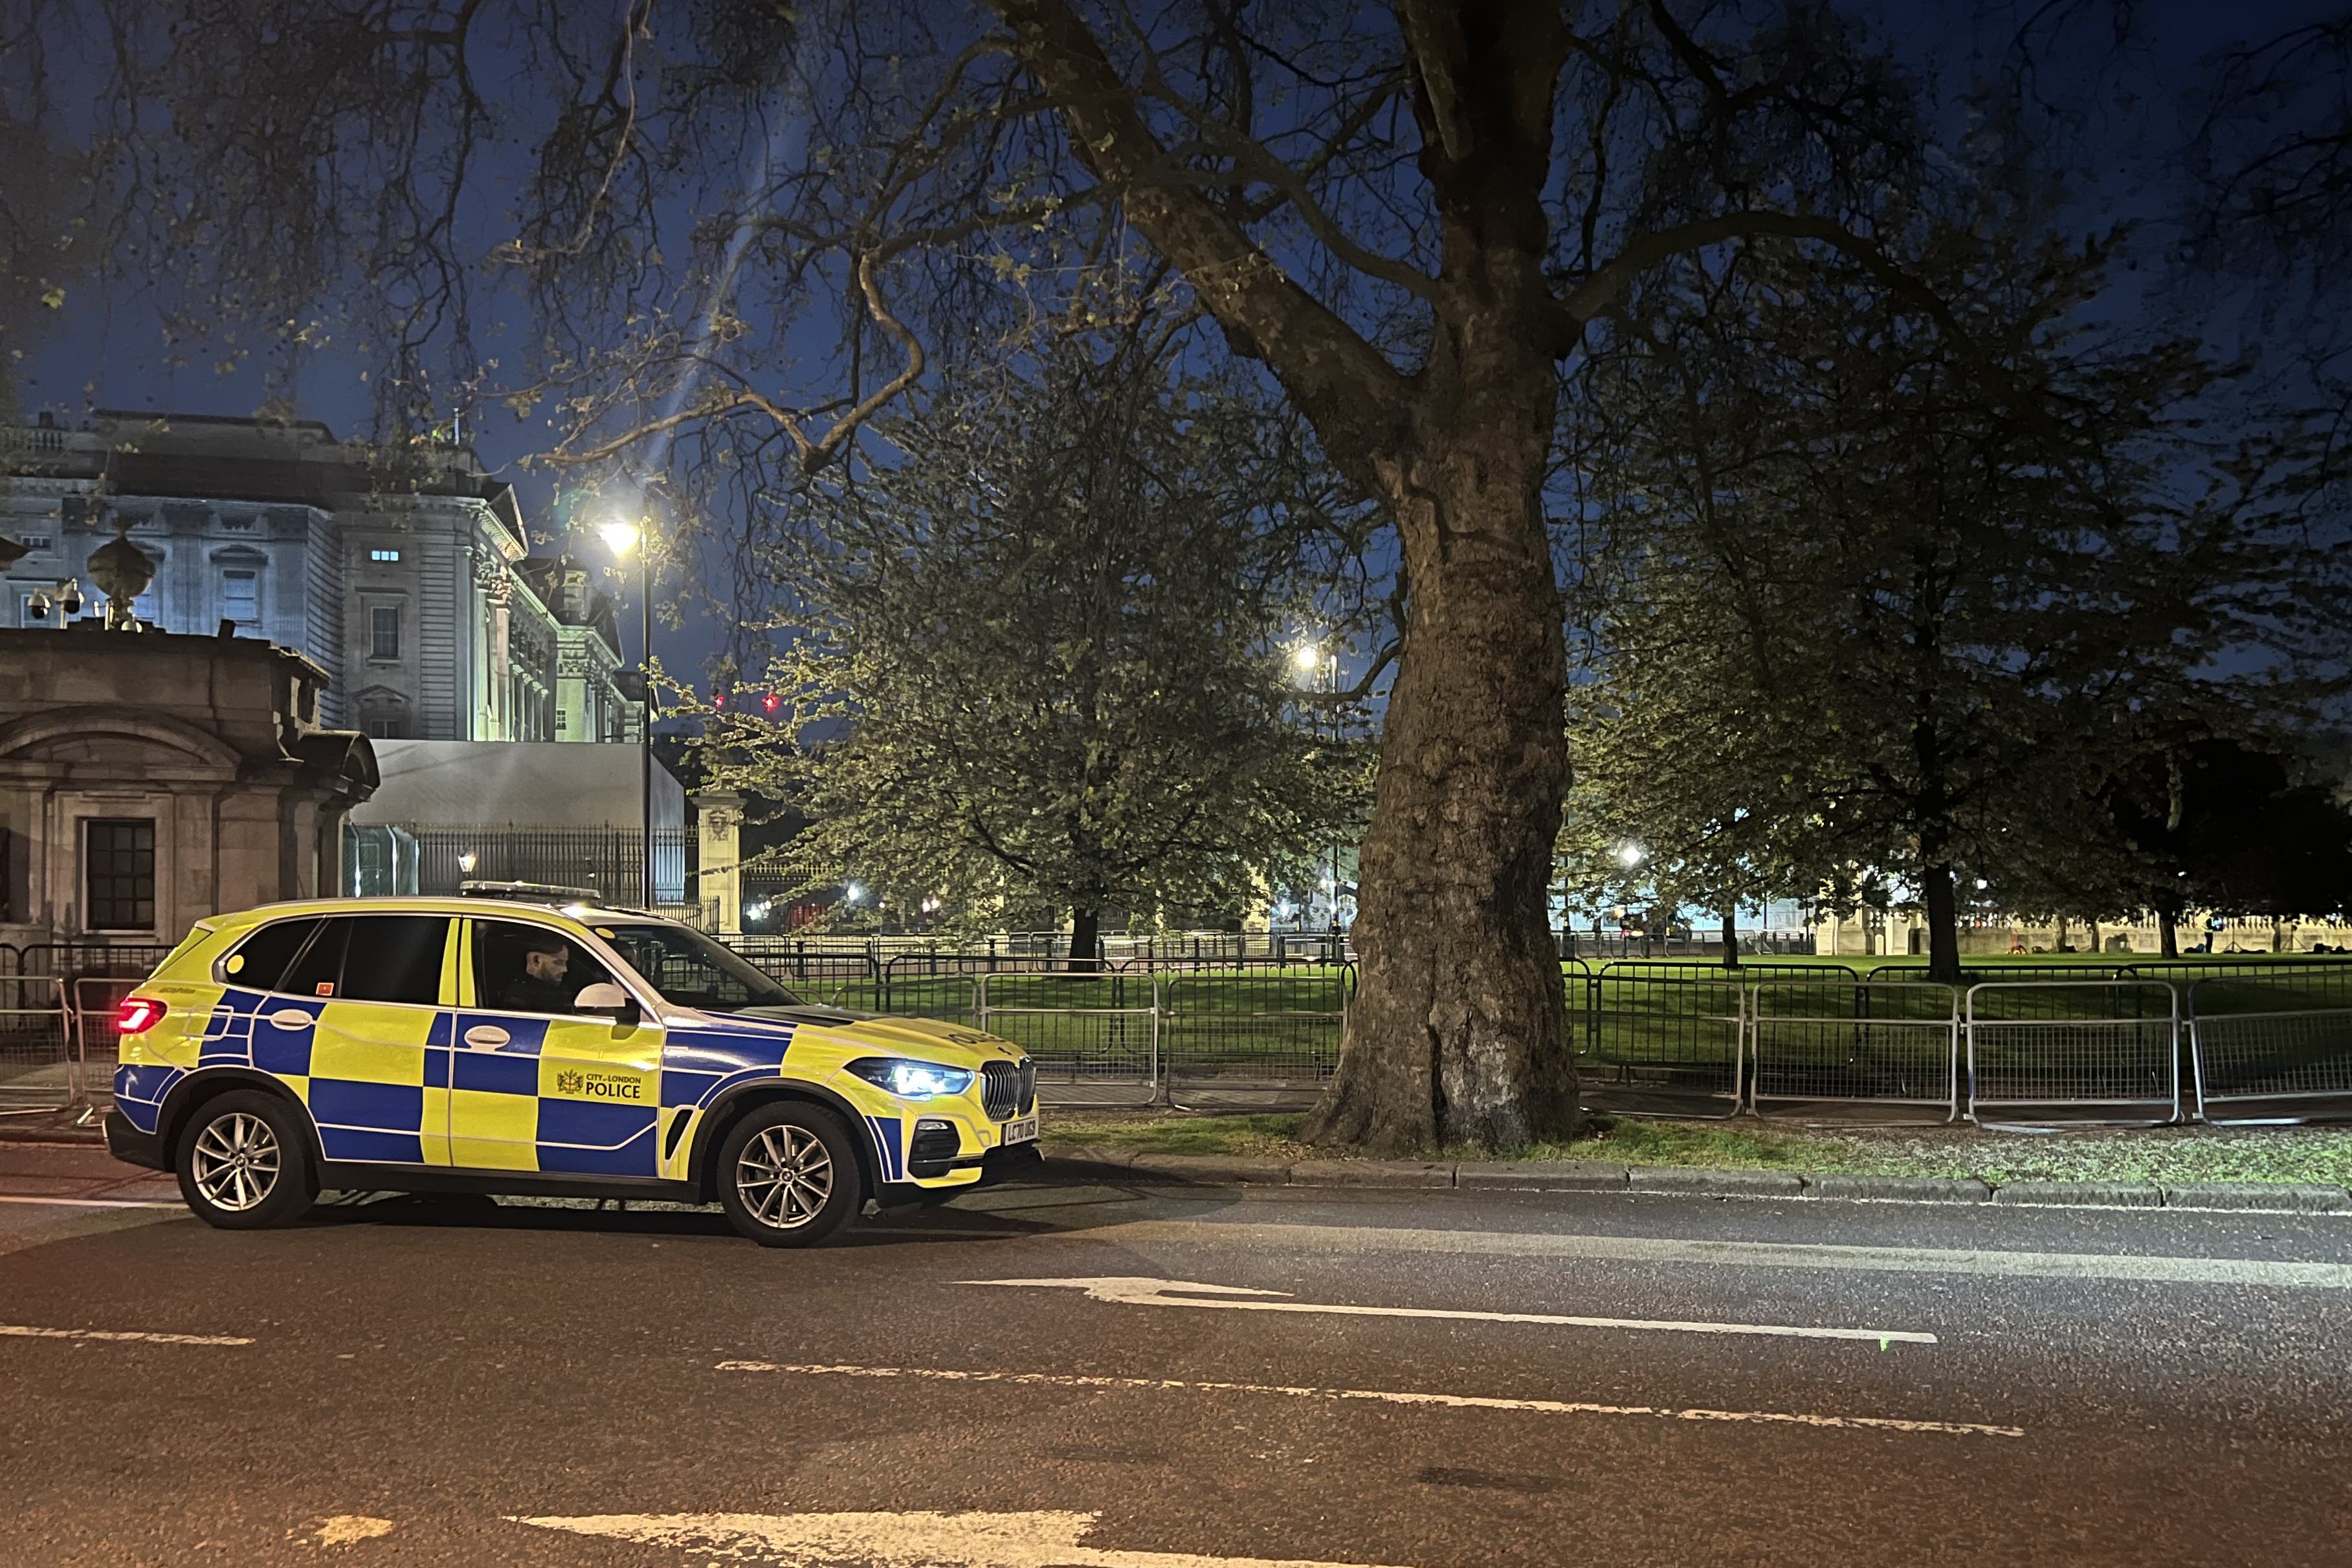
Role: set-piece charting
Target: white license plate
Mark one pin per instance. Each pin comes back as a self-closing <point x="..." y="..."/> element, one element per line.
<point x="1024" y="1131"/>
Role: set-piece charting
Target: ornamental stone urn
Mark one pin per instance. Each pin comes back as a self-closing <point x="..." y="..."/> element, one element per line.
<point x="122" y="572"/>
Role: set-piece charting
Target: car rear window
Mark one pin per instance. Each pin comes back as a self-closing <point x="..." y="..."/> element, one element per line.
<point x="260" y="960"/>
<point x="394" y="958"/>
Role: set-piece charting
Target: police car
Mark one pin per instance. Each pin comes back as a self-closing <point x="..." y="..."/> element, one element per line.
<point x="528" y="1041"/>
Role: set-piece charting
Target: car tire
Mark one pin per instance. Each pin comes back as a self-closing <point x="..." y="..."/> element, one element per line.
<point x="244" y="1162"/>
<point x="788" y="1176"/>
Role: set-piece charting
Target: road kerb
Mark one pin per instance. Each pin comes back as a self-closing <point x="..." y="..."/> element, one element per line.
<point x="2289" y="1197"/>
<point x="1215" y="1168"/>
<point x="1540" y="1176"/>
<point x="1372" y="1173"/>
<point x="1897" y="1189"/>
<point x="2082" y="1194"/>
<point x="1714" y="1183"/>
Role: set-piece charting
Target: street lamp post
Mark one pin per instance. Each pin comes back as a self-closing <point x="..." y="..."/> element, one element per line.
<point x="622" y="537"/>
<point x="1311" y="661"/>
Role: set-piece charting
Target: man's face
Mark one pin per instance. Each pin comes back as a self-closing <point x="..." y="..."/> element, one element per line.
<point x="549" y="966"/>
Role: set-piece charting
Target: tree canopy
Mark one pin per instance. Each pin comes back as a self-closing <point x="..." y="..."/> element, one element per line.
<point x="1040" y="662"/>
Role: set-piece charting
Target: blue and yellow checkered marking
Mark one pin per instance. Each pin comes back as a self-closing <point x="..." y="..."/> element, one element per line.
<point x="399" y="1084"/>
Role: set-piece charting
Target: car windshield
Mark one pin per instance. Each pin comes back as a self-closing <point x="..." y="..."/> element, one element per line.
<point x="691" y="970"/>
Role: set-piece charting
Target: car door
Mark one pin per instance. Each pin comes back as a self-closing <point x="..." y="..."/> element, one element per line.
<point x="369" y="992"/>
<point x="537" y="1086"/>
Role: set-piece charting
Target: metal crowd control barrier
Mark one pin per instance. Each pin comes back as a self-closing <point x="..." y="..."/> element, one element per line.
<point x="1829" y="1045"/>
<point x="1268" y="1031"/>
<point x="1092" y="1042"/>
<point x="36" y="1058"/>
<point x="1665" y="1046"/>
<point x="97" y="1046"/>
<point x="2250" y="1065"/>
<point x="2042" y="1051"/>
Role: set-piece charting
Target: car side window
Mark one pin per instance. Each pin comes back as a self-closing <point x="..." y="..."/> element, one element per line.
<point x="318" y="969"/>
<point x="260" y="960"/>
<point x="394" y="959"/>
<point x="524" y="969"/>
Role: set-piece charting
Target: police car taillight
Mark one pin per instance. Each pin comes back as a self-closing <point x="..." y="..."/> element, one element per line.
<point x="137" y="1015"/>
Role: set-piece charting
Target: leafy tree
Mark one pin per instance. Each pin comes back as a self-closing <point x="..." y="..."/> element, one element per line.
<point x="2221" y="824"/>
<point x="1040" y="661"/>
<point x="1409" y="220"/>
<point x="1906" y="612"/>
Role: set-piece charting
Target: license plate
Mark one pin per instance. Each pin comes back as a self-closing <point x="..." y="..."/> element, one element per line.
<point x="1024" y="1131"/>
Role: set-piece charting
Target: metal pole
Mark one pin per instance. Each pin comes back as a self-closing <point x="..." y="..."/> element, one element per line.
<point x="646" y="729"/>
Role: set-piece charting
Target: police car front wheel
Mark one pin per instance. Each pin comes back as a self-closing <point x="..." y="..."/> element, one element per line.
<point x="243" y="1164"/>
<point x="787" y="1175"/>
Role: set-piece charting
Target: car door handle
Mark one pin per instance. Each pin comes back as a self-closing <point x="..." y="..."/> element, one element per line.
<point x="291" y="1018"/>
<point x="486" y="1037"/>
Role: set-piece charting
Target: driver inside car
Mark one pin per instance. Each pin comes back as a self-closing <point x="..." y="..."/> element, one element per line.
<point x="537" y="986"/>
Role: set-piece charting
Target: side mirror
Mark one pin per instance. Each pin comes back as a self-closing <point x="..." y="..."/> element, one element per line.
<point x="606" y="997"/>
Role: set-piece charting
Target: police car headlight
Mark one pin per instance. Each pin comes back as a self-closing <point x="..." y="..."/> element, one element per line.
<point x="913" y="1079"/>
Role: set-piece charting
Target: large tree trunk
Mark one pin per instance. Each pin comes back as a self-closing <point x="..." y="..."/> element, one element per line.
<point x="1086" y="941"/>
<point x="1459" y="1030"/>
<point x="1458" y="1035"/>
<point x="1731" y="936"/>
<point x="1943" y="925"/>
<point x="2168" y="925"/>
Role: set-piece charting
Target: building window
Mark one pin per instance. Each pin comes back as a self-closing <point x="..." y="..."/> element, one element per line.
<point x="119" y="857"/>
<point x="36" y="544"/>
<point x="241" y="596"/>
<point x="384" y="632"/>
<point x="384" y="554"/>
<point x="385" y="728"/>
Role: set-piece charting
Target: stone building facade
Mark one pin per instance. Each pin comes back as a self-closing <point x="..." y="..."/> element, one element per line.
<point x="408" y="583"/>
<point x="149" y="779"/>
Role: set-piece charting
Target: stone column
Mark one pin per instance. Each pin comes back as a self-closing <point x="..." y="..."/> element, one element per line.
<point x="719" y="817"/>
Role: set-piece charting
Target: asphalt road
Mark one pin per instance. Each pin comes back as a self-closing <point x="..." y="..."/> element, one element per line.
<point x="429" y="1382"/>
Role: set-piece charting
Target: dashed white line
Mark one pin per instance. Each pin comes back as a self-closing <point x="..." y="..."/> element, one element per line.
<point x="91" y="1202"/>
<point x="1390" y="1396"/>
<point x="1148" y="1292"/>
<point x="27" y="1331"/>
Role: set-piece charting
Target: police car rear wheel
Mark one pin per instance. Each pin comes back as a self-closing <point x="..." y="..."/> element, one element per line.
<point x="787" y="1175"/>
<point x="242" y="1165"/>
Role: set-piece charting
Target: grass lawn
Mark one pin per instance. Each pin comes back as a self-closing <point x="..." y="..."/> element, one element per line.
<point x="2168" y="1154"/>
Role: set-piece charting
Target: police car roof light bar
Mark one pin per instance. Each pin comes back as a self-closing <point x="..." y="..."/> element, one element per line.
<point x="532" y="893"/>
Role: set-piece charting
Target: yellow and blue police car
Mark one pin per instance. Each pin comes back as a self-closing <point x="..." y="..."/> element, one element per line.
<point x="528" y="1041"/>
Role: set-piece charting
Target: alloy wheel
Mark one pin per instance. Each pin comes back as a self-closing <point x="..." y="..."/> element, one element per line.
<point x="236" y="1162"/>
<point x="784" y="1176"/>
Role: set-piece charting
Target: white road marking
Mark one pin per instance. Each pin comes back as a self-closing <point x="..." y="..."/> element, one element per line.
<point x="347" y="1529"/>
<point x="1147" y="1293"/>
<point x="1039" y="1540"/>
<point x="1746" y="1254"/>
<point x="129" y="1336"/>
<point x="91" y="1202"/>
<point x="1392" y="1396"/>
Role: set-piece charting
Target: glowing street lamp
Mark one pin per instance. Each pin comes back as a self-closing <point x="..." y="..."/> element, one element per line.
<point x="1630" y="856"/>
<point x="622" y="539"/>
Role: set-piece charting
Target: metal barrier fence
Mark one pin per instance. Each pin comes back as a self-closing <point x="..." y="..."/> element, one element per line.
<point x="37" y="1067"/>
<point x="1079" y="1029"/>
<point x="96" y="1004"/>
<point x="2068" y="1050"/>
<point x="1661" y="1044"/>
<point x="2258" y="1062"/>
<point x="1262" y="1027"/>
<point x="1837" y="1047"/>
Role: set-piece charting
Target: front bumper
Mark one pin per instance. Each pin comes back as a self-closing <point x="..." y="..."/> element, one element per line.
<point x="132" y="1146"/>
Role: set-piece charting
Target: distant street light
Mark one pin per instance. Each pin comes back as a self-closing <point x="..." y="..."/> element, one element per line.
<point x="466" y="862"/>
<point x="853" y="894"/>
<point x="622" y="537"/>
<point x="1630" y="856"/>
